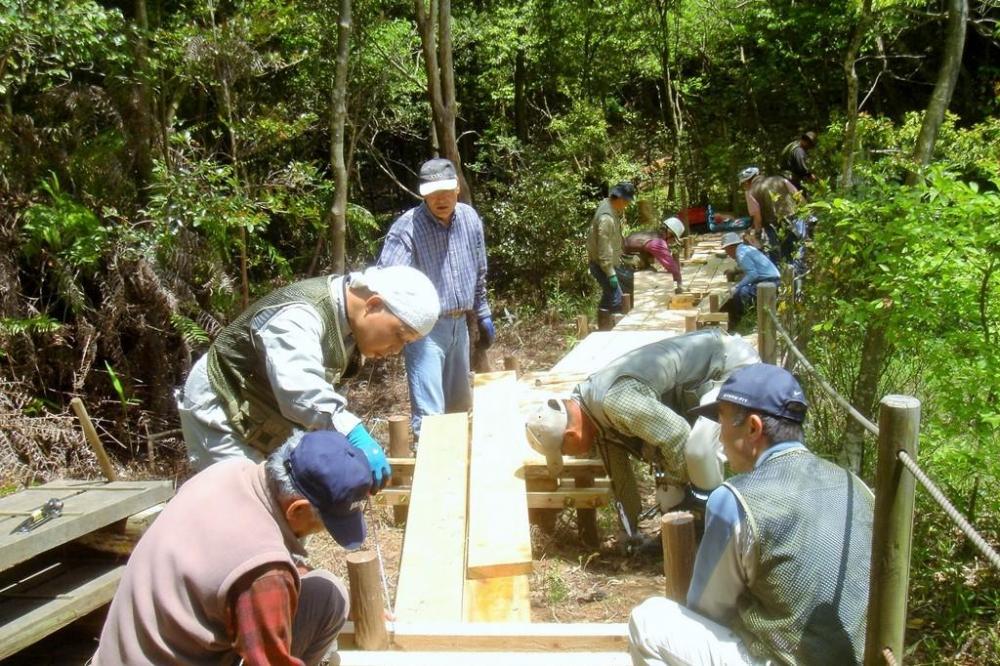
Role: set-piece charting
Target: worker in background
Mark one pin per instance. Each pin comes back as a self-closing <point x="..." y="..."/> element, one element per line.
<point x="772" y="204"/>
<point x="756" y="268"/>
<point x="638" y="406"/>
<point x="795" y="160"/>
<point x="782" y="572"/>
<point x="649" y="245"/>
<point x="444" y="239"/>
<point x="214" y="580"/>
<point x="604" y="247"/>
<point x="274" y="368"/>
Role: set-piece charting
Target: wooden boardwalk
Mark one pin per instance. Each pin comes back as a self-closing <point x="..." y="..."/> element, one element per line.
<point x="470" y="494"/>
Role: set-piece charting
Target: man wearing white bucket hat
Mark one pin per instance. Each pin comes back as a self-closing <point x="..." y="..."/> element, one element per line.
<point x="274" y="367"/>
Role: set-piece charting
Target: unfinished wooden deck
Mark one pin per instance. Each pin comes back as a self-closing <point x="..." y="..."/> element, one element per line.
<point x="466" y="559"/>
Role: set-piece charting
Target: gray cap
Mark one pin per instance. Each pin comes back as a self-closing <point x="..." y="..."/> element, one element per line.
<point x="731" y="238"/>
<point x="437" y="174"/>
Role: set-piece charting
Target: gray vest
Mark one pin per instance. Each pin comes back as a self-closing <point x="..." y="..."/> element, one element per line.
<point x="238" y="375"/>
<point x="812" y="526"/>
<point x="680" y="370"/>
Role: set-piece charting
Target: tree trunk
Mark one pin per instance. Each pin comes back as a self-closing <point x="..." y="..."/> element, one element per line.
<point x="951" y="63"/>
<point x="864" y="397"/>
<point x="520" y="94"/>
<point x="850" y="70"/>
<point x="143" y="125"/>
<point x="435" y="39"/>
<point x="338" y="117"/>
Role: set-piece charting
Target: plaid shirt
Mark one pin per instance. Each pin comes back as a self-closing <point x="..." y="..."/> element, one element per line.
<point x="635" y="410"/>
<point x="260" y="623"/>
<point x="453" y="256"/>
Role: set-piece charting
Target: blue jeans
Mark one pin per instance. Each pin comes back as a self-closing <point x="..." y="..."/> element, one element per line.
<point x="437" y="371"/>
<point x="611" y="299"/>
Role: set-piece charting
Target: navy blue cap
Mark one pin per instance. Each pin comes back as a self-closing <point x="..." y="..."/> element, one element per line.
<point x="760" y="387"/>
<point x="335" y="477"/>
<point x="624" y="190"/>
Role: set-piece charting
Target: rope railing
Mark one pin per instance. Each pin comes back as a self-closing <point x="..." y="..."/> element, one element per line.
<point x="956" y="517"/>
<point x="897" y="432"/>
<point x="970" y="532"/>
<point x="832" y="392"/>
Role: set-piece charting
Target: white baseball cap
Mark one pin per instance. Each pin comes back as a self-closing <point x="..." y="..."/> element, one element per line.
<point x="406" y="291"/>
<point x="546" y="429"/>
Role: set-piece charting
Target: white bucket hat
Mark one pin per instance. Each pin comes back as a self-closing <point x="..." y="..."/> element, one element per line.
<point x="406" y="291"/>
<point x="731" y="238"/>
<point x="546" y="429"/>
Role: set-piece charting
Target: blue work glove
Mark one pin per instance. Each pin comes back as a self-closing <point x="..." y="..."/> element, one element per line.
<point x="362" y="441"/>
<point x="487" y="333"/>
<point x="614" y="282"/>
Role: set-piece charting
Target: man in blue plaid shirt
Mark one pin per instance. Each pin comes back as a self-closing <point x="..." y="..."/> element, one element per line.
<point x="444" y="239"/>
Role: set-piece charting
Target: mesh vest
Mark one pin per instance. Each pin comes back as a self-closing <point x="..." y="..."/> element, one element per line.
<point x="812" y="525"/>
<point x="238" y="375"/>
<point x="775" y="198"/>
<point x="680" y="370"/>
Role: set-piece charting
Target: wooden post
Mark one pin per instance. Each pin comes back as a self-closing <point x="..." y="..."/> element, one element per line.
<point x="767" y="339"/>
<point x="586" y="519"/>
<point x="892" y="529"/>
<point x="690" y="323"/>
<point x="543" y="518"/>
<point x="713" y="302"/>
<point x="679" y="547"/>
<point x="582" y="327"/>
<point x="399" y="447"/>
<point x="95" y="442"/>
<point x="626" y="303"/>
<point x="511" y="364"/>
<point x="366" y="601"/>
<point x="605" y="320"/>
<point x="688" y="246"/>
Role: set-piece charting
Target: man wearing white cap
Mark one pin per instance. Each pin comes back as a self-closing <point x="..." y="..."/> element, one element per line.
<point x="274" y="368"/>
<point x="443" y="239"/>
<point x="656" y="245"/>
<point x="638" y="406"/>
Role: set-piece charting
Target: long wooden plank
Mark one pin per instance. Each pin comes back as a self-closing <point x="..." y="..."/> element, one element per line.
<point x="564" y="498"/>
<point x="432" y="566"/>
<point x="598" y="349"/>
<point x="513" y="636"/>
<point x="30" y="612"/>
<point x="499" y="536"/>
<point x="533" y="469"/>
<point x="83" y="512"/>
<point x="363" y="658"/>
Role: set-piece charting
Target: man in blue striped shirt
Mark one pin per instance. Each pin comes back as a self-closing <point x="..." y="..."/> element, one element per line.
<point x="444" y="239"/>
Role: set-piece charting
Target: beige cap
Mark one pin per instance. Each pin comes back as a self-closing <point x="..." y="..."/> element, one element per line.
<point x="546" y="429"/>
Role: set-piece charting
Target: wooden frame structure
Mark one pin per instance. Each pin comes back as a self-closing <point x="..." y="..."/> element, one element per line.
<point x="463" y="592"/>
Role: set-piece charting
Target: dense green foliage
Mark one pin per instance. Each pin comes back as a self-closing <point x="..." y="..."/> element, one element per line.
<point x="150" y="152"/>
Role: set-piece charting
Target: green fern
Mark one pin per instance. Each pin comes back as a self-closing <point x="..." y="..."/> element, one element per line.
<point x="192" y="333"/>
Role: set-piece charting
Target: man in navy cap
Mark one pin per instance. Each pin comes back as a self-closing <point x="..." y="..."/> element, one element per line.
<point x="444" y="239"/>
<point x="782" y="571"/>
<point x="214" y="580"/>
<point x="604" y="247"/>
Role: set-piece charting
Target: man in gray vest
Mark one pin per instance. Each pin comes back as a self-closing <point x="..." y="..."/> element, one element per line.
<point x="274" y="368"/>
<point x="782" y="572"/>
<point x="637" y="406"/>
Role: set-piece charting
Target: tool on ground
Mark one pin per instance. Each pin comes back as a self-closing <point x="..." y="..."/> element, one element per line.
<point x="95" y="442"/>
<point x="381" y="563"/>
<point x="43" y="514"/>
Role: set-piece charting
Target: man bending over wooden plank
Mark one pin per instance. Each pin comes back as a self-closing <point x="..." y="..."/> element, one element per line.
<point x="214" y="580"/>
<point x="638" y="406"/>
